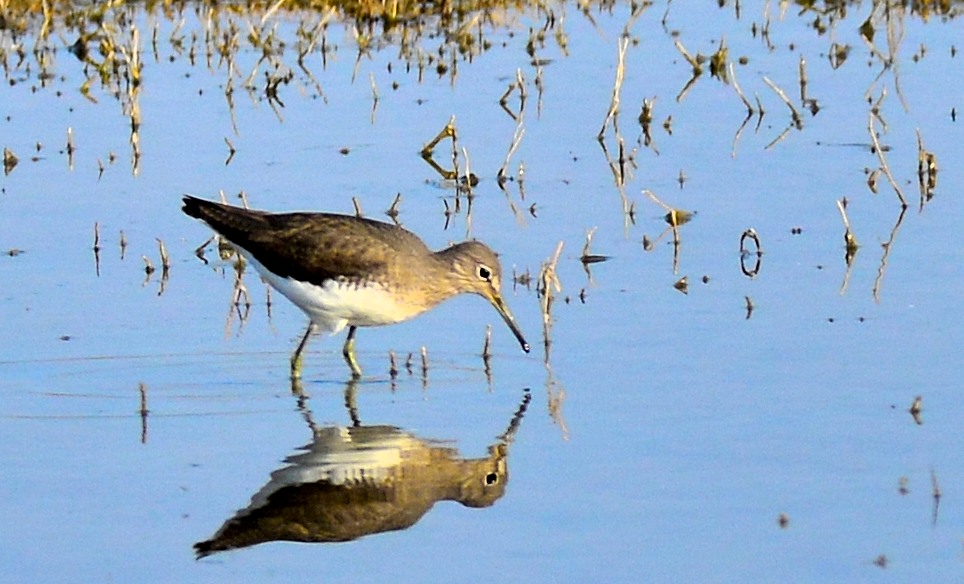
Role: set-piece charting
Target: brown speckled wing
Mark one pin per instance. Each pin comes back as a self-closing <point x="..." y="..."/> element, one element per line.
<point x="310" y="247"/>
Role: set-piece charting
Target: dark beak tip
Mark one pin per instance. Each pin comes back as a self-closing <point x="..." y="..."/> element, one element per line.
<point x="525" y="347"/>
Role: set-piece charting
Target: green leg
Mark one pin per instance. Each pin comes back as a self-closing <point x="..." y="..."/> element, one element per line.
<point x="296" y="356"/>
<point x="349" y="352"/>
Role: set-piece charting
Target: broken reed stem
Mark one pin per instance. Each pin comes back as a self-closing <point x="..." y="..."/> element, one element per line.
<point x="447" y="132"/>
<point x="849" y="238"/>
<point x="585" y="249"/>
<point x="656" y="200"/>
<point x="694" y="62"/>
<point x="70" y="148"/>
<point x="516" y="140"/>
<point x="519" y="84"/>
<point x="467" y="183"/>
<point x="842" y="205"/>
<point x="392" y="367"/>
<point x="523" y="94"/>
<point x="794" y="114"/>
<point x="883" y="160"/>
<point x="424" y="352"/>
<point x="374" y="94"/>
<point x="926" y="171"/>
<point x="392" y="211"/>
<point x="165" y="259"/>
<point x="617" y="86"/>
<point x="548" y="282"/>
<point x="231" y="151"/>
<point x="739" y="91"/>
<point x="142" y="388"/>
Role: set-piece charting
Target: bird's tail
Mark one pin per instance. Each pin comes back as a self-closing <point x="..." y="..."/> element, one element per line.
<point x="231" y="222"/>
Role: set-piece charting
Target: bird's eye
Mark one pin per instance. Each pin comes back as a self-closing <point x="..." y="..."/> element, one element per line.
<point x="491" y="478"/>
<point x="484" y="272"/>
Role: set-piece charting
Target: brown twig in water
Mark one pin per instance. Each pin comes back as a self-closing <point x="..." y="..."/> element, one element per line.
<point x="392" y="367"/>
<point x="519" y="84"/>
<point x="231" y="151"/>
<point x="794" y="114"/>
<point x="424" y="353"/>
<point x="624" y="41"/>
<point x="926" y="172"/>
<point x="447" y="132"/>
<point x="872" y="177"/>
<point x="70" y="148"/>
<point x="880" y="154"/>
<point x="142" y="389"/>
<point x="520" y="131"/>
<point x="617" y="87"/>
<point x="10" y="162"/>
<point x="487" y="352"/>
<point x="749" y="108"/>
<point x="487" y="345"/>
<point x="936" y="494"/>
<point x="916" y="407"/>
<point x="392" y="211"/>
<point x="239" y="292"/>
<point x="548" y="285"/>
<point x="148" y="267"/>
<point x="850" y="241"/>
<point x="546" y="288"/>
<point x="674" y="218"/>
<point x="371" y="77"/>
<point x="696" y="63"/>
<point x="165" y="259"/>
<point x="96" y="248"/>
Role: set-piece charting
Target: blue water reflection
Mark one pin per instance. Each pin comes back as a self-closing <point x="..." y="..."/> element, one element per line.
<point x="668" y="432"/>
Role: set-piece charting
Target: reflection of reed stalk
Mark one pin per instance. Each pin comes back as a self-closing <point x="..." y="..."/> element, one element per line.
<point x="749" y="109"/>
<point x="883" y="258"/>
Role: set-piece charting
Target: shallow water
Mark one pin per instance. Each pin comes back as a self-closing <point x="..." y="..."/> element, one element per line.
<point x="668" y="432"/>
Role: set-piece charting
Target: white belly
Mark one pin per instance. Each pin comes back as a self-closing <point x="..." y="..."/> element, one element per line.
<point x="336" y="305"/>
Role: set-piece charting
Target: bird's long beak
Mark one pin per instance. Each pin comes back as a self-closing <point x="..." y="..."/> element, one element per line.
<point x="503" y="308"/>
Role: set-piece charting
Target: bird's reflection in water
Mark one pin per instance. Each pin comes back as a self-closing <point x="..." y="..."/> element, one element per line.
<point x="359" y="480"/>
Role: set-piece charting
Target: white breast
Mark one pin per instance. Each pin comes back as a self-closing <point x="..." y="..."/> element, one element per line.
<point x="337" y="304"/>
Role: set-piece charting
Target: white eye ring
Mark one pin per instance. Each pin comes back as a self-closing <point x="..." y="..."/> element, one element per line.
<point x="484" y="272"/>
